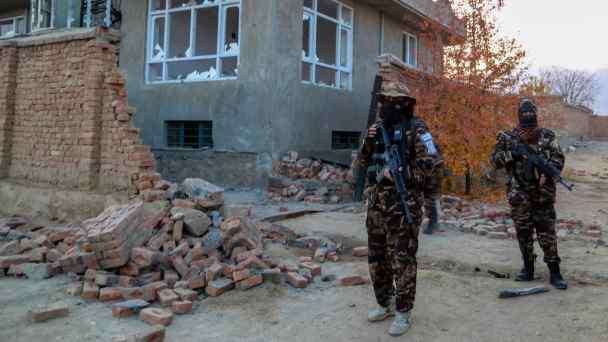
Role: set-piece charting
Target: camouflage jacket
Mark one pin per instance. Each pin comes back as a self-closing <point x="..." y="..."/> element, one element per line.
<point x="522" y="177"/>
<point x="370" y="156"/>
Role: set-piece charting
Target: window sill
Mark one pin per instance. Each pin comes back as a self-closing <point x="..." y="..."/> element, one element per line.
<point x="192" y="81"/>
<point x="326" y="87"/>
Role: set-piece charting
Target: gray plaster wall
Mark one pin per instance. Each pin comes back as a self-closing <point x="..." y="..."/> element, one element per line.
<point x="267" y="109"/>
<point x="240" y="109"/>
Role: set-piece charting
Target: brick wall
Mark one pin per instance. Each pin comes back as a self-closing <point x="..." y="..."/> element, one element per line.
<point x="557" y="114"/>
<point x="599" y="127"/>
<point x="64" y="117"/>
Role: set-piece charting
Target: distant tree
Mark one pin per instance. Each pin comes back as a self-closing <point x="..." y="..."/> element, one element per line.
<point x="534" y="86"/>
<point x="576" y="87"/>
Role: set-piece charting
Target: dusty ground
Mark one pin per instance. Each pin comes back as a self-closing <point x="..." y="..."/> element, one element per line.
<point x="455" y="302"/>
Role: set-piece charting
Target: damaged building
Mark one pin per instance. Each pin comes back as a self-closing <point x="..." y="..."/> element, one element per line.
<point x="223" y="87"/>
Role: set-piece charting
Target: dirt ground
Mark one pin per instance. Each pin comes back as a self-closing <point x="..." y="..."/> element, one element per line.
<point x="456" y="300"/>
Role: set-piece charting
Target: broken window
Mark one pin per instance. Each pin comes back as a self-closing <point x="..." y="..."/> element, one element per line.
<point x="10" y="27"/>
<point x="193" y="40"/>
<point x="345" y="140"/>
<point x="42" y="14"/>
<point x="410" y="50"/>
<point x="189" y="134"/>
<point x="327" y="43"/>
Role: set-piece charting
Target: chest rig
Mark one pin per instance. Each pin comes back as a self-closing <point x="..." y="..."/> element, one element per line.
<point x="404" y="137"/>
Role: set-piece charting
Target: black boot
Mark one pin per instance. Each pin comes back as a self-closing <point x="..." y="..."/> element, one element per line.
<point x="556" y="276"/>
<point x="433" y="224"/>
<point x="526" y="273"/>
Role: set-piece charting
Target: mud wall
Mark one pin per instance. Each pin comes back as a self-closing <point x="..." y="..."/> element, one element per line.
<point x="64" y="117"/>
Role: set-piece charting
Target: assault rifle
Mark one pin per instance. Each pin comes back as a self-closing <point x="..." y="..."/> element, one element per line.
<point x="371" y="119"/>
<point x="396" y="167"/>
<point x="537" y="160"/>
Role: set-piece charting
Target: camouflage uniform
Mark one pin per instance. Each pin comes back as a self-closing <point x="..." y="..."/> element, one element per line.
<point x="392" y="242"/>
<point x="532" y="204"/>
<point x="432" y="191"/>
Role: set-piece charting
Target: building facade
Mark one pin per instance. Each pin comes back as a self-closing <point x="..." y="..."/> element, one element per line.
<point x="211" y="78"/>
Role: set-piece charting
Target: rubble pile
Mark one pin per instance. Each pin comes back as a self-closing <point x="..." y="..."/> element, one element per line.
<point x="170" y="252"/>
<point x="496" y="223"/>
<point x="313" y="181"/>
<point x="603" y="175"/>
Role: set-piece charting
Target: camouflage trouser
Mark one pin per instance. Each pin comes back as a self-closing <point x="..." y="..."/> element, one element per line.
<point x="432" y="191"/>
<point x="392" y="248"/>
<point x="528" y="217"/>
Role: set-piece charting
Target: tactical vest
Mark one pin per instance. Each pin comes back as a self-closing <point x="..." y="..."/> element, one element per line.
<point x="404" y="137"/>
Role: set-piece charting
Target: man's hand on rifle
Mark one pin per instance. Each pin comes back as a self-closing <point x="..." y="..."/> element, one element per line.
<point x="372" y="131"/>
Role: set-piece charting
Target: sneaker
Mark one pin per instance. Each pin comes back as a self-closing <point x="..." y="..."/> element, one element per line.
<point x="400" y="325"/>
<point x="380" y="314"/>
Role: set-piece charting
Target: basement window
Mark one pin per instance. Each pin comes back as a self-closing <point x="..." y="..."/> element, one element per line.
<point x="189" y="134"/>
<point x="410" y="49"/>
<point x="193" y="40"/>
<point x="327" y="44"/>
<point x="43" y="14"/>
<point x="10" y="27"/>
<point x="345" y="140"/>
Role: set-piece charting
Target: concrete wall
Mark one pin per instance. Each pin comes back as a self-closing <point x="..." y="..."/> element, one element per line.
<point x="268" y="109"/>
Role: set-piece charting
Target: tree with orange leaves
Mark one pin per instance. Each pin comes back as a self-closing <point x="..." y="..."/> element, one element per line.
<point x="474" y="98"/>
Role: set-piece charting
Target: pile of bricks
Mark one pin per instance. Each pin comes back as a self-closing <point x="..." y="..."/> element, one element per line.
<point x="496" y="222"/>
<point x="303" y="179"/>
<point x="156" y="260"/>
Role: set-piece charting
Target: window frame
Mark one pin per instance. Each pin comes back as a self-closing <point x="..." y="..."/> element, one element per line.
<point x="14" y="20"/>
<point x="313" y="13"/>
<point x="220" y="53"/>
<point x="406" y="49"/>
<point x="181" y="134"/>
<point x="36" y="10"/>
<point x="354" y="144"/>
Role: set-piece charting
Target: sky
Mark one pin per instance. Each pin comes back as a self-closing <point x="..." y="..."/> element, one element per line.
<point x="572" y="34"/>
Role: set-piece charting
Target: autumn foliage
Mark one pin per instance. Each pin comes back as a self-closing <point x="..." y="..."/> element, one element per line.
<point x="474" y="98"/>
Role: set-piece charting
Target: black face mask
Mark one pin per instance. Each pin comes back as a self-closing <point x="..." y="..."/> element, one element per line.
<point x="394" y="113"/>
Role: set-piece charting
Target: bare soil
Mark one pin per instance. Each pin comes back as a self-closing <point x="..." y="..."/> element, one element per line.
<point x="456" y="300"/>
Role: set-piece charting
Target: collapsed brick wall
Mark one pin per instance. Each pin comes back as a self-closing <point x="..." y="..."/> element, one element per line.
<point x="64" y="117"/>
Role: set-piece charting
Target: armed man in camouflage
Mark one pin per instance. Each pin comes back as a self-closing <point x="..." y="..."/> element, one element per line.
<point x="531" y="194"/>
<point x="392" y="242"/>
<point x="432" y="195"/>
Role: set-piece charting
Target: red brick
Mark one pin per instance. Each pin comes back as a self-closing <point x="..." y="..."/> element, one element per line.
<point x="182" y="203"/>
<point x="305" y="259"/>
<point x="360" y="251"/>
<point x="130" y="269"/>
<point x="219" y="287"/>
<point x="132" y="292"/>
<point x="180" y="265"/>
<point x="240" y="275"/>
<point x="178" y="230"/>
<point x="296" y="280"/>
<point x="170" y="278"/>
<point x="314" y="269"/>
<point x="181" y="307"/>
<point x="122" y="312"/>
<point x="43" y="314"/>
<point x="214" y="272"/>
<point x="126" y="281"/>
<point x="90" y="290"/>
<point x="143" y="257"/>
<point x="186" y="294"/>
<point x="250" y="282"/>
<point x="333" y="257"/>
<point x="353" y="280"/>
<point x="154" y="316"/>
<point x="110" y="294"/>
<point x="167" y="296"/>
<point x="197" y="282"/>
<point x="252" y="262"/>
